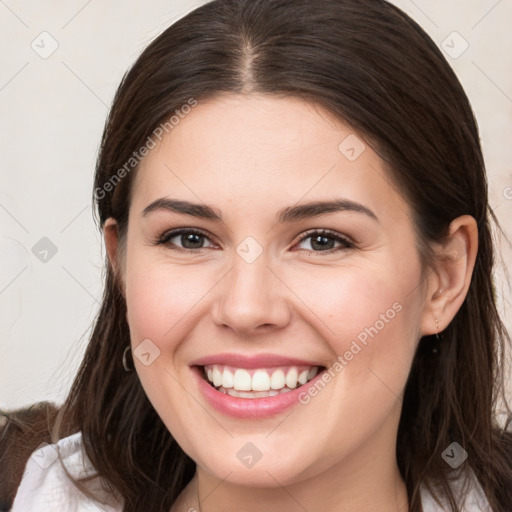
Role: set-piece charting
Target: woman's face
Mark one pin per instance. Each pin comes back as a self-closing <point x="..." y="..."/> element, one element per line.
<point x="258" y="300"/>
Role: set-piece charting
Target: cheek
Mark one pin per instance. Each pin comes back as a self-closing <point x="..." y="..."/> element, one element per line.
<point x="369" y="318"/>
<point x="348" y="300"/>
<point x="160" y="307"/>
<point x="160" y="298"/>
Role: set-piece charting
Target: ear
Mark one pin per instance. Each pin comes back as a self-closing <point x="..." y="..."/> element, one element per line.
<point x="448" y="282"/>
<point x="111" y="238"/>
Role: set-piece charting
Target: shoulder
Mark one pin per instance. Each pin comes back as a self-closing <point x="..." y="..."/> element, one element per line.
<point x="21" y="432"/>
<point x="46" y="486"/>
<point x="466" y="489"/>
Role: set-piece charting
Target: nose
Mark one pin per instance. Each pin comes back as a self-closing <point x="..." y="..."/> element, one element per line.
<point x="252" y="299"/>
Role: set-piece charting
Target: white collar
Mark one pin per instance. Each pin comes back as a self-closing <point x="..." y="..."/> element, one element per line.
<point x="45" y="486"/>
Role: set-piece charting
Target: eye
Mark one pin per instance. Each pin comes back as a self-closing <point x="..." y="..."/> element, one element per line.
<point x="191" y="239"/>
<point x="323" y="240"/>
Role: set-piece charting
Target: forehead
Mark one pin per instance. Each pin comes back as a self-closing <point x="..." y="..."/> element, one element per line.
<point x="238" y="148"/>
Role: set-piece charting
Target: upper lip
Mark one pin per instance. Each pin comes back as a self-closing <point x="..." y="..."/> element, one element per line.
<point x="251" y="361"/>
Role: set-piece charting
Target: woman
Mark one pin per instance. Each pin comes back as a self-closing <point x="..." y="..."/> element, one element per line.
<point x="298" y="310"/>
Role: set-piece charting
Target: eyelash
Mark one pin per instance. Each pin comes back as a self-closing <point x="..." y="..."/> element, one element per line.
<point x="346" y="243"/>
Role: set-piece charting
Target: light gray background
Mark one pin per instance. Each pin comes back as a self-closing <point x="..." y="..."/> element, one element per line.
<point x="52" y="115"/>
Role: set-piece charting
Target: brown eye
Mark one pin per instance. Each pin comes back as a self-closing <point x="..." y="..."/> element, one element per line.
<point x="190" y="239"/>
<point x="324" y="241"/>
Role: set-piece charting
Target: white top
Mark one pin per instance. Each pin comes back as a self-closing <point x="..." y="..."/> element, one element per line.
<point x="46" y="488"/>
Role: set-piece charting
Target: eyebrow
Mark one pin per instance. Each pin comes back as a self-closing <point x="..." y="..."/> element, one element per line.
<point x="288" y="214"/>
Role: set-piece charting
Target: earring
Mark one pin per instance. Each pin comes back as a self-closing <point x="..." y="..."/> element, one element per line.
<point x="435" y="346"/>
<point x="125" y="364"/>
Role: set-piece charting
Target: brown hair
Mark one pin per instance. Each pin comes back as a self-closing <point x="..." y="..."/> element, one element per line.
<point x="372" y="66"/>
<point x="21" y="432"/>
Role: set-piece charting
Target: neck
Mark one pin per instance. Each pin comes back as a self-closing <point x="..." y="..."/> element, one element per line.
<point x="387" y="494"/>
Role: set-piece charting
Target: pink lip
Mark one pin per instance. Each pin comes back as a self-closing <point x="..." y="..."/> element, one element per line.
<point x="249" y="408"/>
<point x="255" y="361"/>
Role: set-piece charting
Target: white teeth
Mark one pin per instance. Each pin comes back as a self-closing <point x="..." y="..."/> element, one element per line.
<point x="217" y="377"/>
<point x="242" y="381"/>
<point x="303" y="377"/>
<point x="312" y="372"/>
<point x="228" y="379"/>
<point x="252" y="394"/>
<point x="277" y="381"/>
<point x="291" y="378"/>
<point x="260" y="382"/>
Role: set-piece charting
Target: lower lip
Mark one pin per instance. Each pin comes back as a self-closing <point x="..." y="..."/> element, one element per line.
<point x="250" y="407"/>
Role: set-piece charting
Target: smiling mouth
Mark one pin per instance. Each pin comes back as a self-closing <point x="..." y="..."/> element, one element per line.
<point x="258" y="382"/>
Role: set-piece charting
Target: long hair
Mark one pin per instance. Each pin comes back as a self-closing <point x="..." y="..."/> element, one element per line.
<point x="374" y="68"/>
